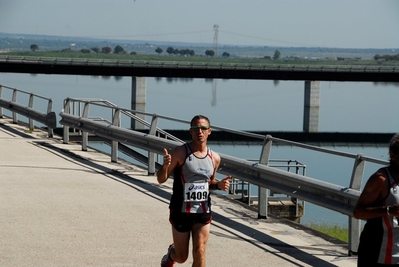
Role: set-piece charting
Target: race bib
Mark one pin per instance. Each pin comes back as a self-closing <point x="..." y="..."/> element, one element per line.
<point x="196" y="192"/>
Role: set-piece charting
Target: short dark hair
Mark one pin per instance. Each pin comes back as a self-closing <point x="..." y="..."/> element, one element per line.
<point x="393" y="147"/>
<point x="198" y="117"/>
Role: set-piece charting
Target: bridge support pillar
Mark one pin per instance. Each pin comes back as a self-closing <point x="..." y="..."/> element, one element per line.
<point x="139" y="89"/>
<point x="311" y="106"/>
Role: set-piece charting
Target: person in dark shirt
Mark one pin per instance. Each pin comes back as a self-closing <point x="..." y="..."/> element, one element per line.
<point x="378" y="204"/>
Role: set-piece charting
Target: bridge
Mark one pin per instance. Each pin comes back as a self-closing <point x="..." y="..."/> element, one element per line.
<point x="186" y="69"/>
<point x="311" y="75"/>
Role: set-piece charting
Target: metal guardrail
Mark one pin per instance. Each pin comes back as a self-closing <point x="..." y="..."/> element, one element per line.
<point x="331" y="196"/>
<point x="48" y="118"/>
<point x="237" y="186"/>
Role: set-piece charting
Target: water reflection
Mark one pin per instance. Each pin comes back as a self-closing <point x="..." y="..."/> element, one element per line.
<point x="254" y="105"/>
<point x="386" y="84"/>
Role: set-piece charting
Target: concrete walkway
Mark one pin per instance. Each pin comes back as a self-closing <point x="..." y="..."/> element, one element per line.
<point x="61" y="206"/>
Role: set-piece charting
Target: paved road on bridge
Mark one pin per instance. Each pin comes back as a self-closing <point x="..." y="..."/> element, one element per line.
<point x="61" y="206"/>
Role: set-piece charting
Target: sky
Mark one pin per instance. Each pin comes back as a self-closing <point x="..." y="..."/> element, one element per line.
<point x="286" y="23"/>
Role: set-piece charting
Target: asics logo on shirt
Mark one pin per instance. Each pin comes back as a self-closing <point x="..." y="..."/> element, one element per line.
<point x="196" y="187"/>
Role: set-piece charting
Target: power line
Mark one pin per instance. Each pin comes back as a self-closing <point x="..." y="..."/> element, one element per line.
<point x="151" y="35"/>
<point x="265" y="39"/>
<point x="215" y="40"/>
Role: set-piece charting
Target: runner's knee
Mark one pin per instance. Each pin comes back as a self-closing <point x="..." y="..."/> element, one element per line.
<point x="180" y="257"/>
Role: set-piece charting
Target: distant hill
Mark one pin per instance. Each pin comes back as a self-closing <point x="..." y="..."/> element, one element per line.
<point x="22" y="42"/>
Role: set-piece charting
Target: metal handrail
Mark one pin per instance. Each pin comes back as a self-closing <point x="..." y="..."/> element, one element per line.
<point x="128" y="112"/>
<point x="47" y="118"/>
<point x="334" y="197"/>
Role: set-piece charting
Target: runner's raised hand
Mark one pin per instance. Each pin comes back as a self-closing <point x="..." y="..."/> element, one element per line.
<point x="167" y="158"/>
<point x="224" y="184"/>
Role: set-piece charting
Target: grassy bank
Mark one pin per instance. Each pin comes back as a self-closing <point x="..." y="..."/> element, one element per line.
<point x="338" y="232"/>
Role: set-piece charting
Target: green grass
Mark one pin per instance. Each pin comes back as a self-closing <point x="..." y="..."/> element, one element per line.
<point x="338" y="232"/>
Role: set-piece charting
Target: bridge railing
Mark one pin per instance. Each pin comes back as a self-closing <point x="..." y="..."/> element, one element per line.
<point x="28" y="109"/>
<point x="200" y="65"/>
<point x="338" y="198"/>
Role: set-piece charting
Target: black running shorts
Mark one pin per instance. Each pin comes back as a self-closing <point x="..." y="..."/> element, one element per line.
<point x="183" y="222"/>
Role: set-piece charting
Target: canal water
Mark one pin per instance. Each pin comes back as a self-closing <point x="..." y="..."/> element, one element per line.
<point x="249" y="105"/>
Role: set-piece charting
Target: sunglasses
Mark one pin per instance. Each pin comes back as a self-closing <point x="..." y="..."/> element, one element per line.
<point x="197" y="128"/>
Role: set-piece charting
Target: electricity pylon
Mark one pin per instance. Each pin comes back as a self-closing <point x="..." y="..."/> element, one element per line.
<point x="215" y="39"/>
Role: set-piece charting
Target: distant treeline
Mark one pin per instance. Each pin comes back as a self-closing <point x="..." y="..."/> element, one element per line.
<point x="387" y="57"/>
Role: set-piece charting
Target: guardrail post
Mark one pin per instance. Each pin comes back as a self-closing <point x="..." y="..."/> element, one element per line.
<point x="354" y="224"/>
<point x="1" y="109"/>
<point x="67" y="109"/>
<point x="151" y="155"/>
<point x="357" y="173"/>
<point x="49" y="109"/>
<point x="116" y="121"/>
<point x="85" y="135"/>
<point x="14" y="99"/>
<point x="262" y="192"/>
<point x="30" y="104"/>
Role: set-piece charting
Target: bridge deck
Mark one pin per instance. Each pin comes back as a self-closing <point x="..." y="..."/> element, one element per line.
<point x="292" y="72"/>
<point x="61" y="206"/>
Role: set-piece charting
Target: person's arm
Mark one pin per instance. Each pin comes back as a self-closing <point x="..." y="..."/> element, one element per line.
<point x="170" y="161"/>
<point x="223" y="184"/>
<point x="375" y="190"/>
